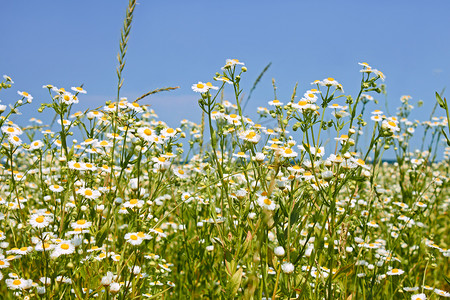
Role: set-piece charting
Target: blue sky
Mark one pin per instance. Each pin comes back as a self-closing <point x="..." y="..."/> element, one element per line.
<point x="66" y="43"/>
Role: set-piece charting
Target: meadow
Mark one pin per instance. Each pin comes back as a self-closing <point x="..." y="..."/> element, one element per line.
<point x="228" y="208"/>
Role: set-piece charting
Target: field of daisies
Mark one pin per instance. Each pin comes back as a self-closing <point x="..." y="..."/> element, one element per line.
<point x="293" y="205"/>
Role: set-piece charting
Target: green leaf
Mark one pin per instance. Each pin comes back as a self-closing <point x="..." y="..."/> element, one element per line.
<point x="440" y="101"/>
<point x="234" y="283"/>
<point x="447" y="279"/>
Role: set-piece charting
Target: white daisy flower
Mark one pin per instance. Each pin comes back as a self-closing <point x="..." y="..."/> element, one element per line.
<point x="200" y="87"/>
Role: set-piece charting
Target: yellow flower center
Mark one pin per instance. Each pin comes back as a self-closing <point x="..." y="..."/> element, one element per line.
<point x="148" y="131"/>
<point x="40" y="219"/>
<point x="170" y="130"/>
<point x="133" y="237"/>
<point x="180" y="172"/>
<point x="330" y="79"/>
<point x="65" y="246"/>
<point x="81" y="222"/>
<point x="250" y="135"/>
<point x="17" y="282"/>
<point x="288" y="151"/>
<point x="133" y="201"/>
<point x="200" y="86"/>
<point x="10" y="129"/>
<point x="267" y="201"/>
<point x="77" y="165"/>
<point x="88" y="193"/>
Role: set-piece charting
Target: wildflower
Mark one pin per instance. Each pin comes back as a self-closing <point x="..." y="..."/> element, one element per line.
<point x="337" y="106"/>
<point x="89" y="193"/>
<point x="78" y="89"/>
<point x="223" y="79"/>
<point x="4" y="263"/>
<point x="232" y="62"/>
<point x="35" y="145"/>
<point x="107" y="280"/>
<point x="365" y="66"/>
<point x="180" y="173"/>
<point x="250" y="136"/>
<point x="419" y="297"/>
<point x="233" y="119"/>
<point x="379" y="74"/>
<point x="25" y="95"/>
<point x="19" y="283"/>
<point x="442" y="293"/>
<point x="165" y="267"/>
<point x="168" y="132"/>
<point x="63" y="248"/>
<point x="94" y="114"/>
<point x="133" y="238"/>
<point x="266" y="203"/>
<point x="200" y="87"/>
<point x="279" y="251"/>
<point x="287" y="152"/>
<point x="103" y="144"/>
<point x="390" y="125"/>
<point x="361" y="163"/>
<point x="302" y="105"/>
<point x="240" y="155"/>
<point x="373" y="224"/>
<point x="68" y="98"/>
<point x="395" y="272"/>
<point x="161" y="162"/>
<point x="56" y="188"/>
<point x="275" y="103"/>
<point x="75" y="166"/>
<point x="8" y="79"/>
<point x="376" y="118"/>
<point x="81" y="224"/>
<point x="287" y="267"/>
<point x="12" y="130"/>
<point x="134" y="203"/>
<point x="158" y="231"/>
<point x="146" y="133"/>
<point x="39" y="221"/>
<point x="15" y="140"/>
